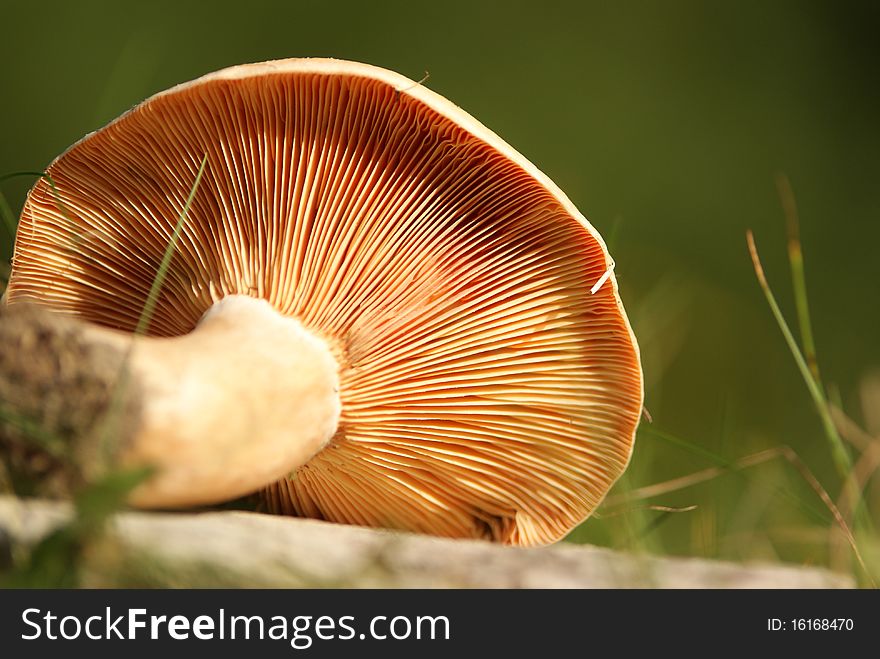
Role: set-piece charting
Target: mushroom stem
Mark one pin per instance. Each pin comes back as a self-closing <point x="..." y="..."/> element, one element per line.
<point x="244" y="399"/>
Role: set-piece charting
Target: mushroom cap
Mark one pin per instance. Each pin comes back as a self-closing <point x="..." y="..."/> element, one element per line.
<point x="486" y="392"/>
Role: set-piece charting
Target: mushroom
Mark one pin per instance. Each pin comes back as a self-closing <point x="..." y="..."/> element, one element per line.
<point x="377" y="312"/>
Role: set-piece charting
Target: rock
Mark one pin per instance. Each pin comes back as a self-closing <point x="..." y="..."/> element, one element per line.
<point x="254" y="550"/>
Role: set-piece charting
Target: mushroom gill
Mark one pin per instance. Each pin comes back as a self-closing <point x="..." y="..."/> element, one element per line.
<point x="485" y="391"/>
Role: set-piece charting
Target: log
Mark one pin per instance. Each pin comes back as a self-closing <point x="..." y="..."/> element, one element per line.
<point x="245" y="549"/>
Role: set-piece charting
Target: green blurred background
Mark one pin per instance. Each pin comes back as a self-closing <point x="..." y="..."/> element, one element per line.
<point x="665" y="122"/>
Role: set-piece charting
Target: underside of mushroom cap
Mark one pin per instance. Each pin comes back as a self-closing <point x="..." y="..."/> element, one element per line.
<point x="486" y="392"/>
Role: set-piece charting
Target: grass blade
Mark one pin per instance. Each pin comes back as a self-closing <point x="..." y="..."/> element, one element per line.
<point x="723" y="466"/>
<point x="65" y="214"/>
<point x="798" y="280"/>
<point x="111" y="418"/>
<point x="839" y="454"/>
<point x="7" y="216"/>
<point x="149" y="309"/>
<point x="32" y="432"/>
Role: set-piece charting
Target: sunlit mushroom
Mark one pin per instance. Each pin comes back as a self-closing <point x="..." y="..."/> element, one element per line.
<point x="377" y="312"/>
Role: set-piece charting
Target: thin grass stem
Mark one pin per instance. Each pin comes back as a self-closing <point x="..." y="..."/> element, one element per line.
<point x="839" y="454"/>
<point x="149" y="309"/>
<point x="798" y="279"/>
